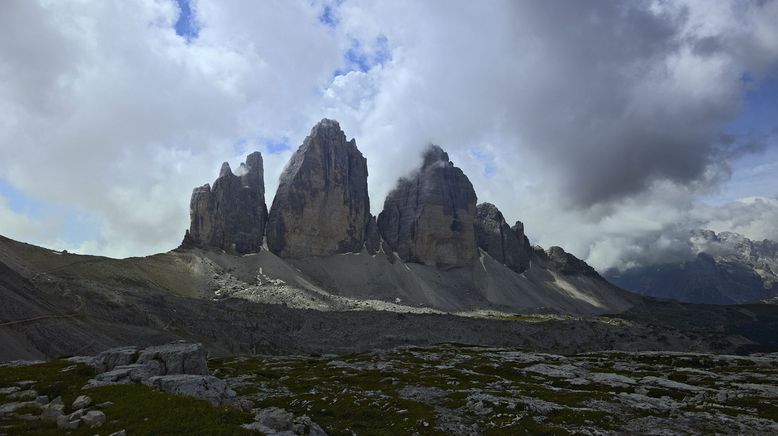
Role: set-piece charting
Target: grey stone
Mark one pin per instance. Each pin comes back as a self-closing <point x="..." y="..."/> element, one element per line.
<point x="110" y="359"/>
<point x="82" y="402"/>
<point x="321" y="206"/>
<point x="429" y="217"/>
<point x="276" y="421"/>
<point x="126" y="374"/>
<point x="204" y="387"/>
<point x="53" y="410"/>
<point x="24" y="395"/>
<point x="13" y="407"/>
<point x="177" y="358"/>
<point x="64" y="423"/>
<point x="507" y="245"/>
<point x="119" y="433"/>
<point x="9" y="390"/>
<point x="231" y="215"/>
<point x="94" y="418"/>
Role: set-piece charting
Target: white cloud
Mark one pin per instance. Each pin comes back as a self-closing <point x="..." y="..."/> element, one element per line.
<point x="599" y="121"/>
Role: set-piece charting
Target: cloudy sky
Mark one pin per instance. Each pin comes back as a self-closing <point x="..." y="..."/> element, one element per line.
<point x="610" y="128"/>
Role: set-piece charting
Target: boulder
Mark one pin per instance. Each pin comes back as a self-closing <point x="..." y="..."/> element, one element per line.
<point x="507" y="245"/>
<point x="321" y="206"/>
<point x="277" y="421"/>
<point x="70" y="422"/>
<point x="177" y="358"/>
<point x="231" y="215"/>
<point x="174" y="358"/>
<point x="110" y="359"/>
<point x="204" y="387"/>
<point x="429" y="217"/>
<point x="94" y="418"/>
<point x="82" y="402"/>
<point x="63" y="423"/>
<point x="127" y="374"/>
<point x="52" y="411"/>
<point x="13" y="407"/>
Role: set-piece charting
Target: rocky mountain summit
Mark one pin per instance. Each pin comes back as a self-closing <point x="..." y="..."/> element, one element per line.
<point x="430" y="248"/>
<point x="231" y="215"/>
<point x="429" y="217"/>
<point x="727" y="269"/>
<point x="505" y="244"/>
<point x="321" y="206"/>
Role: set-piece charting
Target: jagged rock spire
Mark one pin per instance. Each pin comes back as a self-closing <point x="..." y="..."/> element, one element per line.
<point x="232" y="214"/>
<point x="428" y="217"/>
<point x="322" y="205"/>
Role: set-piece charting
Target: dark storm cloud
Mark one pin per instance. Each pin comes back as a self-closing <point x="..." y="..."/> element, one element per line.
<point x="618" y="104"/>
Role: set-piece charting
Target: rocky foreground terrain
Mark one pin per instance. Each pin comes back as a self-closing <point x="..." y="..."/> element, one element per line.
<point x="444" y="389"/>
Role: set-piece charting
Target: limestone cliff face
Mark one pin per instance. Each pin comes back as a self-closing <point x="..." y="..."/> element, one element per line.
<point x="507" y="245"/>
<point x="231" y="215"/>
<point x="321" y="206"/>
<point x="429" y="217"/>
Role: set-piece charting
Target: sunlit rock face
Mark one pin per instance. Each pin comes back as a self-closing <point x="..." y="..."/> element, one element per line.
<point x="232" y="214"/>
<point x="428" y="218"/>
<point x="321" y="206"/>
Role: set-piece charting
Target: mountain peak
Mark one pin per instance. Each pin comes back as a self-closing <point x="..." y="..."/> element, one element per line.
<point x="225" y="170"/>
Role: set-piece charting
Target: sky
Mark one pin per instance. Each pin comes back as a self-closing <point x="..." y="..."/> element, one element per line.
<point x="609" y="128"/>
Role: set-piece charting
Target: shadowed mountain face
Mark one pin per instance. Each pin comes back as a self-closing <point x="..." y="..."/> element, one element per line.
<point x="730" y="269"/>
<point x="429" y="217"/>
<point x="231" y="215"/>
<point x="321" y="206"/>
<point x="505" y="244"/>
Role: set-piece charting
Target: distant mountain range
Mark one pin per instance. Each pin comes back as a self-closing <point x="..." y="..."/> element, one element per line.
<point x="728" y="269"/>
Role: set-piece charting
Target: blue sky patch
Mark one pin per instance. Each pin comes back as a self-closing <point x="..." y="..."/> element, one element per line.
<point x="362" y="58"/>
<point x="75" y="227"/>
<point x="277" y="146"/>
<point x="486" y="159"/>
<point x="328" y="17"/>
<point x="186" y="26"/>
<point x="17" y="201"/>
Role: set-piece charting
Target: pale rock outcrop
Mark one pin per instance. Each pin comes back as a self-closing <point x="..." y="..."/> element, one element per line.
<point x="321" y="206"/>
<point x="232" y="214"/>
<point x="507" y="245"/>
<point x="177" y="358"/>
<point x="209" y="388"/>
<point x="179" y="368"/>
<point x="429" y="217"/>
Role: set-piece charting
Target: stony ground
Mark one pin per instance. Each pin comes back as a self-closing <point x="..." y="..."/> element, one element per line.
<point x="444" y="389"/>
<point x="452" y="389"/>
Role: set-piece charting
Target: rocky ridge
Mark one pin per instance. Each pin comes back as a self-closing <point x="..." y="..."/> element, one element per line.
<point x="230" y="216"/>
<point x="507" y="245"/>
<point x="728" y="268"/>
<point x="322" y="208"/>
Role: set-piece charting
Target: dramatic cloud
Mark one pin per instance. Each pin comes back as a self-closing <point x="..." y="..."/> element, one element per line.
<point x="602" y="125"/>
